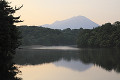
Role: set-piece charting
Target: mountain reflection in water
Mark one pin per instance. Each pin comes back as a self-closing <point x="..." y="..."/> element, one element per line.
<point x="80" y="60"/>
<point x="75" y="65"/>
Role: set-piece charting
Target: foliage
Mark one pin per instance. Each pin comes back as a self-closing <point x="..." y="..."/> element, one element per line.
<point x="107" y="35"/>
<point x="9" y="40"/>
<point x="34" y="35"/>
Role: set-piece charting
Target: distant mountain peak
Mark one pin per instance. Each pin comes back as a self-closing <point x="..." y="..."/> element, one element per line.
<point x="75" y="22"/>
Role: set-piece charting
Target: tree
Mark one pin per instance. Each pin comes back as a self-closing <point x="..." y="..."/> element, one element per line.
<point x="9" y="37"/>
<point x="9" y="34"/>
<point x="107" y="35"/>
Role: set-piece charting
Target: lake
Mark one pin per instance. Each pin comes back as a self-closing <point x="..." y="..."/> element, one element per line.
<point x="68" y="63"/>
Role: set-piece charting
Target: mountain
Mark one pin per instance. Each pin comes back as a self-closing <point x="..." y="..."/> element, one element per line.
<point x="73" y="23"/>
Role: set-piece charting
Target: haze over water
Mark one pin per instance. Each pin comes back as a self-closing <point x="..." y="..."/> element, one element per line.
<point x="39" y="62"/>
<point x="53" y="63"/>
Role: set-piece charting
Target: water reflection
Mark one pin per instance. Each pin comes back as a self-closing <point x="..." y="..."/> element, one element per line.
<point x="108" y="59"/>
<point x="35" y="57"/>
<point x="8" y="70"/>
<point x="79" y="60"/>
<point x="75" y="65"/>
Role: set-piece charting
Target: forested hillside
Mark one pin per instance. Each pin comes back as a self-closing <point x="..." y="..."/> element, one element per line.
<point x="34" y="35"/>
<point x="107" y="35"/>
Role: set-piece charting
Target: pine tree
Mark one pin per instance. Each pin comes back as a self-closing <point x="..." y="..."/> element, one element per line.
<point x="9" y="40"/>
<point x="9" y="35"/>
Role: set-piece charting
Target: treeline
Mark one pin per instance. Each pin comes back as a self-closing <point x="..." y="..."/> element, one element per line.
<point x="34" y="35"/>
<point x="107" y="35"/>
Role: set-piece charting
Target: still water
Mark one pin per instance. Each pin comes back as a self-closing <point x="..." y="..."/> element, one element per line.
<point x="68" y="63"/>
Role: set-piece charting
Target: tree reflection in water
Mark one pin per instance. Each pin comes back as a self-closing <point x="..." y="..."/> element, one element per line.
<point x="8" y="70"/>
<point x="105" y="58"/>
<point x="108" y="59"/>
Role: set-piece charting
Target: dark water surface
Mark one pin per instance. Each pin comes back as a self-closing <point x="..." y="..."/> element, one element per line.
<point x="68" y="63"/>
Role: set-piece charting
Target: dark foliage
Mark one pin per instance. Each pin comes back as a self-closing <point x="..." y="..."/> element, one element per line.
<point x="107" y="35"/>
<point x="34" y="35"/>
<point x="9" y="40"/>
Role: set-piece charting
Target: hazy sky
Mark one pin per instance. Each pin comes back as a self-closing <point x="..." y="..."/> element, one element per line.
<point x="38" y="12"/>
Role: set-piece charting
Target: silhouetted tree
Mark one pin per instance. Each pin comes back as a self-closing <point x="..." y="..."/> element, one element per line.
<point x="9" y="39"/>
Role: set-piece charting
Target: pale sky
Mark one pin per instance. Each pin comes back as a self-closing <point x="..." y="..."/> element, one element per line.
<point x="39" y="12"/>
